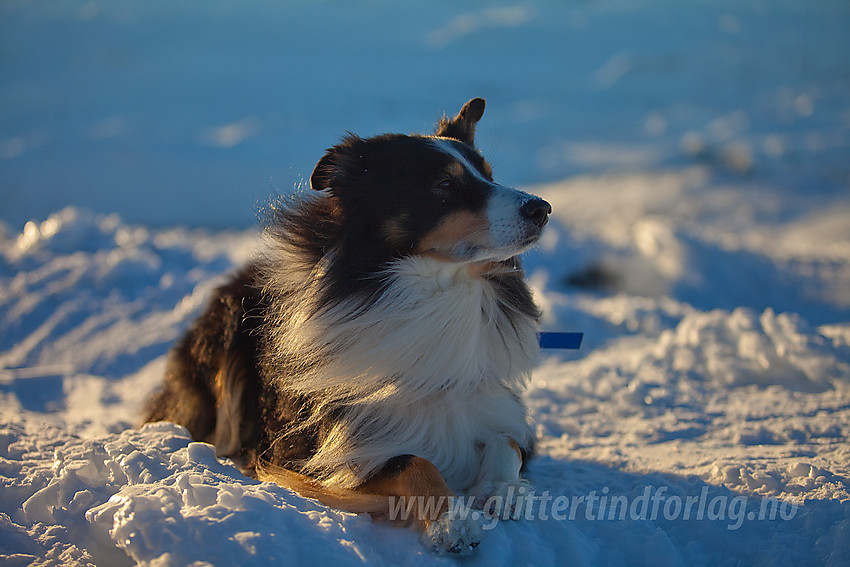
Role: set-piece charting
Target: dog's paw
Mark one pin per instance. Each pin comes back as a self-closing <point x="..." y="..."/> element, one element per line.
<point x="454" y="535"/>
<point x="506" y="500"/>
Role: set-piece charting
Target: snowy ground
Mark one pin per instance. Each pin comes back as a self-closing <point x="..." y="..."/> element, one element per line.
<point x="696" y="156"/>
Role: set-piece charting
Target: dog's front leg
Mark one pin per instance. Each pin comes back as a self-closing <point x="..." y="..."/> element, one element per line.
<point x="499" y="489"/>
<point x="419" y="495"/>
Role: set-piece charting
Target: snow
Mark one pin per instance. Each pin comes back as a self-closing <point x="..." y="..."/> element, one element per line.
<point x="696" y="157"/>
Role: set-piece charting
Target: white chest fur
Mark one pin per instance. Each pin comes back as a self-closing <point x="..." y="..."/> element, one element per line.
<point x="433" y="367"/>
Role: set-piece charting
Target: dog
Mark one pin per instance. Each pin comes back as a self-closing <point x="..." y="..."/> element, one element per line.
<point x="379" y="346"/>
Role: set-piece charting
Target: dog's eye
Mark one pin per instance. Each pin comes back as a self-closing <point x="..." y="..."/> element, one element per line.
<point x="446" y="184"/>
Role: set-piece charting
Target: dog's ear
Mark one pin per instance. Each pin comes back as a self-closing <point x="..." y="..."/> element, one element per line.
<point x="338" y="161"/>
<point x="324" y="172"/>
<point x="462" y="126"/>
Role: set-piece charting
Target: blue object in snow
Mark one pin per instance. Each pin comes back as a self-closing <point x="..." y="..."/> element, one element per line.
<point x="561" y="340"/>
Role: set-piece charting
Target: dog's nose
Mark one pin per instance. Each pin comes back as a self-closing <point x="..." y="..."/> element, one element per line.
<point x="537" y="211"/>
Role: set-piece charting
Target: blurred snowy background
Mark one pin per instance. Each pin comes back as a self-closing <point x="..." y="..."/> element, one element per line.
<point x="189" y="112"/>
<point x="697" y="155"/>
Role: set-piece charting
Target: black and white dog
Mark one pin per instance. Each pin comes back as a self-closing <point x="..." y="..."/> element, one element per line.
<point x="380" y="347"/>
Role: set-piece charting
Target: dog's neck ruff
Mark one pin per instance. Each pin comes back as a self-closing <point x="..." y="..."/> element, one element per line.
<point x="437" y="340"/>
<point x="434" y="327"/>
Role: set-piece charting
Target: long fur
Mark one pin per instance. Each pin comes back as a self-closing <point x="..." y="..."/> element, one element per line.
<point x="428" y="359"/>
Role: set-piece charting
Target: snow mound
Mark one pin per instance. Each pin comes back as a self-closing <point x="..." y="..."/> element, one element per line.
<point x="85" y="292"/>
<point x="152" y="496"/>
<point x="743" y="347"/>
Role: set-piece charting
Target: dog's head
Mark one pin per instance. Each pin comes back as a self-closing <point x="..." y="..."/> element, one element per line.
<point x="429" y="195"/>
